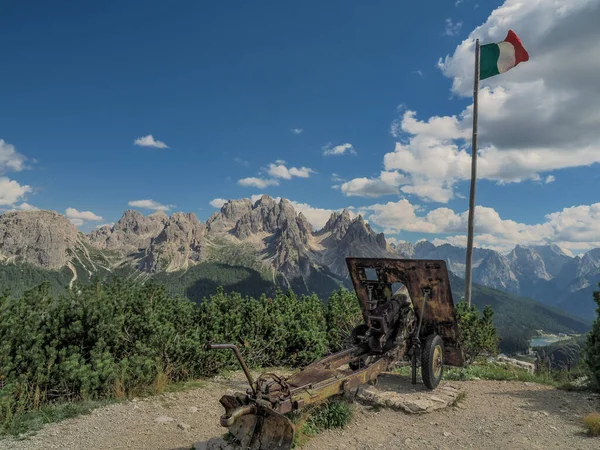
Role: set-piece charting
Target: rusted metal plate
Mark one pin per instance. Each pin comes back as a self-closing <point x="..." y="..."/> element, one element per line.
<point x="312" y="376"/>
<point x="344" y="381"/>
<point x="416" y="275"/>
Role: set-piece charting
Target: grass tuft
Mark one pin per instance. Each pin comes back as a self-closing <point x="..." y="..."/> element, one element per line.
<point x="333" y="413"/>
<point x="494" y="371"/>
<point x="161" y="380"/>
<point x="182" y="386"/>
<point x="591" y="422"/>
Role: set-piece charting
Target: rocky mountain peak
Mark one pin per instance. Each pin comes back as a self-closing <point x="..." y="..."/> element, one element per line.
<point x="590" y="263"/>
<point x="528" y="263"/>
<point x="303" y="224"/>
<point x="554" y="258"/>
<point x="229" y="214"/>
<point x="160" y="215"/>
<point x="43" y="238"/>
<point x="495" y="271"/>
<point x="350" y="237"/>
<point x="555" y="249"/>
<point x="403" y="249"/>
<point x="132" y="231"/>
<point x="424" y="246"/>
<point x="268" y="216"/>
<point x="266" y="201"/>
<point x="130" y="220"/>
<point x="338" y="223"/>
<point x="179" y="244"/>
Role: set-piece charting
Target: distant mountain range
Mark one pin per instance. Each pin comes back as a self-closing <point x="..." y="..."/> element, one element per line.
<point x="255" y="245"/>
<point x="545" y="273"/>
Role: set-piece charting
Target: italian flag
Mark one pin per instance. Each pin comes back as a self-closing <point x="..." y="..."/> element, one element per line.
<point x="501" y="57"/>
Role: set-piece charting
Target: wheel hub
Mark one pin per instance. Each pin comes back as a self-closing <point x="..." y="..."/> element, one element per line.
<point x="438" y="362"/>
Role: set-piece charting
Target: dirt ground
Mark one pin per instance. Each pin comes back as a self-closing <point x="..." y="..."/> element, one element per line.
<point x="494" y="415"/>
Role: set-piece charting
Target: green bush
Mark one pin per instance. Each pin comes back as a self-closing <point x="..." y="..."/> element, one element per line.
<point x="478" y="335"/>
<point x="592" y="348"/>
<point x="120" y="338"/>
<point x="99" y="340"/>
<point x="285" y="330"/>
<point x="343" y="315"/>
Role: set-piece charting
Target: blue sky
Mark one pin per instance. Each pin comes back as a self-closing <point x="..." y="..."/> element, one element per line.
<point x="224" y="85"/>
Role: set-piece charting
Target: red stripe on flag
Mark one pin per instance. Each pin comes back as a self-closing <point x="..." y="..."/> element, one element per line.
<point x="521" y="54"/>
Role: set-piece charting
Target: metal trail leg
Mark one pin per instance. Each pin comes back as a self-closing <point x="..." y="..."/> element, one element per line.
<point x="417" y="347"/>
<point x="414" y="366"/>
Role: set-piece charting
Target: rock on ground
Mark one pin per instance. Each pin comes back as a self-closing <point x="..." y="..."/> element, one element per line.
<point x="394" y="391"/>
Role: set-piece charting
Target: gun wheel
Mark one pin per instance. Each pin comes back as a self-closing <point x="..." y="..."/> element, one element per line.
<point x="432" y="361"/>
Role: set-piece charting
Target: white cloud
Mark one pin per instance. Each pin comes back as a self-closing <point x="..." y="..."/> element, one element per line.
<point x="341" y="149"/>
<point x="72" y="213"/>
<point x="550" y="179"/>
<point x="317" y="217"/>
<point x="11" y="191"/>
<point x="545" y="105"/>
<point x="259" y="183"/>
<point x="452" y="28"/>
<point x="22" y="207"/>
<point x="336" y="178"/>
<point x="26" y="207"/>
<point x="77" y="222"/>
<point x="241" y="161"/>
<point x="302" y="172"/>
<point x="575" y="228"/>
<point x="385" y="184"/>
<point x="418" y="72"/>
<point x="104" y="225"/>
<point x="279" y="170"/>
<point x="254" y="198"/>
<point x="149" y="141"/>
<point x="297" y="130"/>
<point x="395" y="241"/>
<point x="457" y="241"/>
<point x="10" y="159"/>
<point x="540" y="117"/>
<point x="150" y="204"/>
<point x="577" y="223"/>
<point x="218" y="202"/>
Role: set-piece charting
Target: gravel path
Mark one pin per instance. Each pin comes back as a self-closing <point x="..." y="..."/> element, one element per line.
<point x="494" y="415"/>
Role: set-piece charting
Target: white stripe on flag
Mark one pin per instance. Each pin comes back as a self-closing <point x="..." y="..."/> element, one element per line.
<point x="506" y="59"/>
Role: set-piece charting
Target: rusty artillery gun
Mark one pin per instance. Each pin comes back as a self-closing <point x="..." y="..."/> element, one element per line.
<point x="408" y="316"/>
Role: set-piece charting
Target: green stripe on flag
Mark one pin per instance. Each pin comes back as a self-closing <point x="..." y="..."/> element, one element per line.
<point x="488" y="61"/>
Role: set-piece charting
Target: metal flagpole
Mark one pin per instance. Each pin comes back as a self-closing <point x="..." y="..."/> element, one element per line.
<point x="469" y="267"/>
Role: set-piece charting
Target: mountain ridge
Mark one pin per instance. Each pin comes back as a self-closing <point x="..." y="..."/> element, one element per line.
<point x="257" y="247"/>
<point x="283" y="243"/>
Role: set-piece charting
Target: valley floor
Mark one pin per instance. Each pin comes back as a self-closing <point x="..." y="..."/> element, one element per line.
<point x="494" y="415"/>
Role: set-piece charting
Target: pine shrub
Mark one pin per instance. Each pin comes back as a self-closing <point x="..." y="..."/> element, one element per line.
<point x="592" y="348"/>
<point x="343" y="315"/>
<point x="478" y="335"/>
<point x="120" y="338"/>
